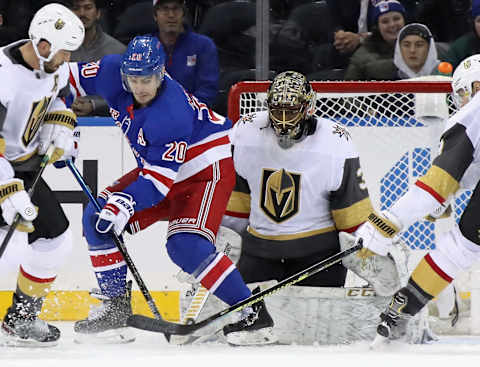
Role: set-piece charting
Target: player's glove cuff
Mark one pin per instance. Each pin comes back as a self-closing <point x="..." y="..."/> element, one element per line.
<point x="387" y="224"/>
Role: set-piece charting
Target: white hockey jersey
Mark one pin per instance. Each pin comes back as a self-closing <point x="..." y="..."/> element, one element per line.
<point x="314" y="187"/>
<point x="25" y="98"/>
<point x="457" y="165"/>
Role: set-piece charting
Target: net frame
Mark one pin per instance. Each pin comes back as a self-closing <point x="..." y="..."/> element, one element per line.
<point x="250" y="96"/>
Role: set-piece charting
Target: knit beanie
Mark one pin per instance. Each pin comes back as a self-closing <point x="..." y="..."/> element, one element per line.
<point x="387" y="6"/>
<point x="416" y="29"/>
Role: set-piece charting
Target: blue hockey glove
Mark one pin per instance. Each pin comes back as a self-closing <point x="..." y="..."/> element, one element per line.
<point x="116" y="213"/>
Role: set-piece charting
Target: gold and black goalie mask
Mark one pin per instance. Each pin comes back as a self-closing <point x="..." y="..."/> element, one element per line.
<point x="290" y="100"/>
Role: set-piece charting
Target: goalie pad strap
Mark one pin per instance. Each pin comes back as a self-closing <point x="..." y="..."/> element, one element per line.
<point x="383" y="225"/>
<point x="10" y="189"/>
<point x="65" y="118"/>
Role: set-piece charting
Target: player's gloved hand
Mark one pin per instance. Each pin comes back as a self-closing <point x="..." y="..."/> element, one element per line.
<point x="57" y="129"/>
<point x="14" y="199"/>
<point x="377" y="233"/>
<point x="116" y="213"/>
<point x="71" y="152"/>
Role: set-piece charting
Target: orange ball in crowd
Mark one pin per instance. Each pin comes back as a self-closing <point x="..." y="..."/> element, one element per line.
<point x="445" y="67"/>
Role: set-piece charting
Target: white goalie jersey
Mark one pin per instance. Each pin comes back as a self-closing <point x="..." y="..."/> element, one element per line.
<point x="25" y="98"/>
<point x="312" y="188"/>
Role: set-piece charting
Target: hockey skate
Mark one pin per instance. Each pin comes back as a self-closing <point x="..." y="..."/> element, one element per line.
<point x="255" y="326"/>
<point x="21" y="326"/>
<point x="107" y="323"/>
<point x="393" y="325"/>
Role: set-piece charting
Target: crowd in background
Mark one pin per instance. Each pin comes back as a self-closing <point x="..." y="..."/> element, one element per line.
<point x="325" y="40"/>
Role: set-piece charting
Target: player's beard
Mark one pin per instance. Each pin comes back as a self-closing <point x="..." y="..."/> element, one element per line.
<point x="50" y="67"/>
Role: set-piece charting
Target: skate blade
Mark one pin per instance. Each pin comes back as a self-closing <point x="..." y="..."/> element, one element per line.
<point x="258" y="337"/>
<point x="379" y="342"/>
<point x="15" y="342"/>
<point x="115" y="336"/>
<point x="216" y="337"/>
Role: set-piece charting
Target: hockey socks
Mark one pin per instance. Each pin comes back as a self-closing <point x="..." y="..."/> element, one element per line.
<point x="427" y="281"/>
<point x="33" y="286"/>
<point x="223" y="279"/>
<point x="214" y="270"/>
<point x="110" y="270"/>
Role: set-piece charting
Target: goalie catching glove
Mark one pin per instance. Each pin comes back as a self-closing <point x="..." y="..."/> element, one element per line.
<point x="14" y="199"/>
<point x="116" y="213"/>
<point x="373" y="263"/>
<point x="57" y="129"/>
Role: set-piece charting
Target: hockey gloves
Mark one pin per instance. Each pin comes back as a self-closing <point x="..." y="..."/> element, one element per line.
<point x="377" y="233"/>
<point x="14" y="199"/>
<point x="71" y="152"/>
<point x="116" y="213"/>
<point x="57" y="129"/>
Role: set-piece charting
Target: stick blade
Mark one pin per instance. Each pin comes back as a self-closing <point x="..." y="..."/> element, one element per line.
<point x="159" y="326"/>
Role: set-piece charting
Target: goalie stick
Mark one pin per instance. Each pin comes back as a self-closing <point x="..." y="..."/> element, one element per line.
<point x="16" y="220"/>
<point x="120" y="245"/>
<point x="170" y="328"/>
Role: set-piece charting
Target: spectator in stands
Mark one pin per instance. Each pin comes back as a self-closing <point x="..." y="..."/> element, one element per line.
<point x="389" y="18"/>
<point x="415" y="55"/>
<point x="15" y="18"/>
<point x="95" y="45"/>
<point x="352" y="20"/>
<point x="468" y="44"/>
<point x="192" y="58"/>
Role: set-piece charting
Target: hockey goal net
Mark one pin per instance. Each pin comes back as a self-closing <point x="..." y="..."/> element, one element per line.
<point x="396" y="128"/>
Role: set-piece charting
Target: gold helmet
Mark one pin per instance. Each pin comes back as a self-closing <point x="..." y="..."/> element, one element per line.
<point x="291" y="102"/>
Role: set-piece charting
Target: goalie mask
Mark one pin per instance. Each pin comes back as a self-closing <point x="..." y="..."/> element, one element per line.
<point x="291" y="103"/>
<point x="464" y="77"/>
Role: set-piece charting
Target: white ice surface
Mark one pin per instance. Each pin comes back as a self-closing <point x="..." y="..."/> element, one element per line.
<point x="151" y="350"/>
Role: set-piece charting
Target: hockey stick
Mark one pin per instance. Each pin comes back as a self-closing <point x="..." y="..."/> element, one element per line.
<point x="170" y="328"/>
<point x="18" y="217"/>
<point x="119" y="243"/>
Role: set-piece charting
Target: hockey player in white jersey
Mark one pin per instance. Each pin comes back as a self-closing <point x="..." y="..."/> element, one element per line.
<point x="299" y="183"/>
<point x="457" y="165"/>
<point x="32" y="117"/>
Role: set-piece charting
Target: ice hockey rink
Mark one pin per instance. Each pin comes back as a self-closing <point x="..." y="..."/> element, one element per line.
<point x="151" y="349"/>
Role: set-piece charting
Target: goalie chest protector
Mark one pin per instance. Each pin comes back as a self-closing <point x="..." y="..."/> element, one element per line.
<point x="290" y="188"/>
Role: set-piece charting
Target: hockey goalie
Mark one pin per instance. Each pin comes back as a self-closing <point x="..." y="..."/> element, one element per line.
<point x="299" y="199"/>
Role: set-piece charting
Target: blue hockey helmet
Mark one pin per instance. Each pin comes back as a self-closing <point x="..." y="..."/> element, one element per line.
<point x="144" y="57"/>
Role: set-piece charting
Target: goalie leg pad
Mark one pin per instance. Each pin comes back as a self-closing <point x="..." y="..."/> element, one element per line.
<point x="380" y="271"/>
<point x="229" y="242"/>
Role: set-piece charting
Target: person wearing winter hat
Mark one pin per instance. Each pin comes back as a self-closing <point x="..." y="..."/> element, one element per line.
<point x="388" y="18"/>
<point x="468" y="44"/>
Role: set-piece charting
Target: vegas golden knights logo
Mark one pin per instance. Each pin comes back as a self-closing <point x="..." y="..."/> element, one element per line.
<point x="38" y="111"/>
<point x="280" y="194"/>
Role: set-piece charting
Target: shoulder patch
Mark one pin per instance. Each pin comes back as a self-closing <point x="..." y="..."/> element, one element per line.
<point x="341" y="131"/>
<point x="247" y="118"/>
